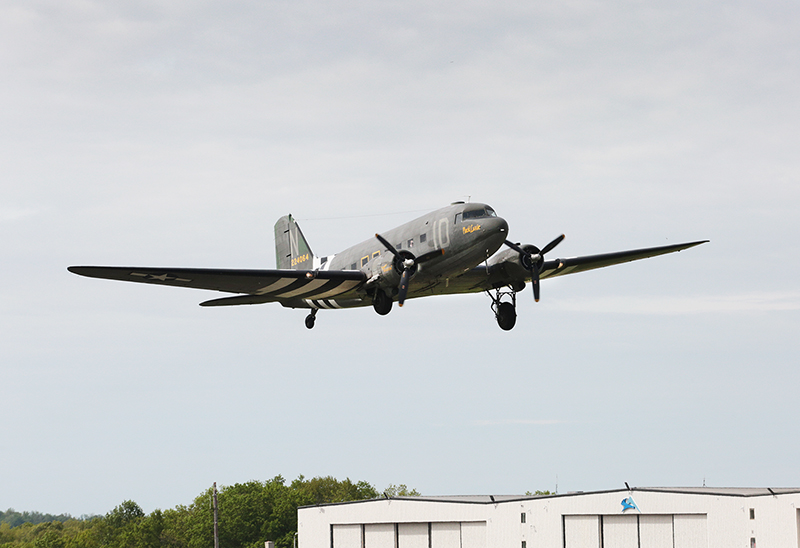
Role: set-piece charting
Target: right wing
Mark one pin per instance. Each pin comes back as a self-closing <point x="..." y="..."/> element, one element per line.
<point x="254" y="286"/>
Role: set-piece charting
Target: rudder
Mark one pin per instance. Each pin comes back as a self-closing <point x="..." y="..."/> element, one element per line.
<point x="291" y="248"/>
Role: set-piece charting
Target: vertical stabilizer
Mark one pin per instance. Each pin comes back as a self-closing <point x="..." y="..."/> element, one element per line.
<point x="291" y="249"/>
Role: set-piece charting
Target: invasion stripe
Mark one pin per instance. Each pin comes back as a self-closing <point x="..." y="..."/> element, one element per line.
<point x="308" y="287"/>
<point x="275" y="286"/>
<point x="326" y="288"/>
<point x="343" y="287"/>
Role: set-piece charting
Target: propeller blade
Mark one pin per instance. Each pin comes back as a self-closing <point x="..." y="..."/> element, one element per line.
<point x="387" y="245"/>
<point x="515" y="247"/>
<point x="401" y="296"/>
<point x="549" y="247"/>
<point x="535" y="261"/>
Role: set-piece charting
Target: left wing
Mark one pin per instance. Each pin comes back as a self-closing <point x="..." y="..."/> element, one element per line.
<point x="256" y="286"/>
<point x="506" y="270"/>
<point x="571" y="265"/>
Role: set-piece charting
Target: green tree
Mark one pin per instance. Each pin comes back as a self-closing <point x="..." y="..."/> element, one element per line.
<point x="401" y="490"/>
<point x="49" y="539"/>
<point x="328" y="489"/>
<point x="121" y="526"/>
<point x="250" y="513"/>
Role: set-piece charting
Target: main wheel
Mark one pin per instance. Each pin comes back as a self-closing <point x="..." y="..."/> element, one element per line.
<point x="381" y="302"/>
<point x="506" y="316"/>
<point x="310" y="319"/>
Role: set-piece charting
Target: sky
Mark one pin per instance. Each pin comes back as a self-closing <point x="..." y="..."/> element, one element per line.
<point x="176" y="133"/>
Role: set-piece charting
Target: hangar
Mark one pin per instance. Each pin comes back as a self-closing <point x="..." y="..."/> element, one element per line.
<point x="625" y="518"/>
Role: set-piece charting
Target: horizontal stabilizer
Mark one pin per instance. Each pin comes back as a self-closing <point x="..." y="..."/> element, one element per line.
<point x="240" y="299"/>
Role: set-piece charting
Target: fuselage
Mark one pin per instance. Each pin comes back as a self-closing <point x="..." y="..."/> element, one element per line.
<point x="466" y="233"/>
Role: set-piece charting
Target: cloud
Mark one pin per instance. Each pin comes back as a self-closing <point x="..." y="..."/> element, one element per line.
<point x="765" y="301"/>
<point x="502" y="422"/>
<point x="11" y="214"/>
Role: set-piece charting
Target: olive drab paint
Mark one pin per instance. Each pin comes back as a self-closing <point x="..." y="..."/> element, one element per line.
<point x="451" y="250"/>
<point x="291" y="248"/>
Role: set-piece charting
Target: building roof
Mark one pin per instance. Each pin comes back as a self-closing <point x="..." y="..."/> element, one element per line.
<point x="497" y="499"/>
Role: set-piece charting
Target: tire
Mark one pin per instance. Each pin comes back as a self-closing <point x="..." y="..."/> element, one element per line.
<point x="506" y="316"/>
<point x="381" y="302"/>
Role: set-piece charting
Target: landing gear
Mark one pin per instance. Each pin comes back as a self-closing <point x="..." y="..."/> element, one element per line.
<point x="381" y="302"/>
<point x="506" y="316"/>
<point x="311" y="318"/>
<point x="504" y="312"/>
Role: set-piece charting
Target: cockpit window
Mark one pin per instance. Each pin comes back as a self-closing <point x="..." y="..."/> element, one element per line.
<point x="479" y="213"/>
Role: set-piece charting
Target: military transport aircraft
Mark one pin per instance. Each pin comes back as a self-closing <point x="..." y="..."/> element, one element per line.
<point x="450" y="250"/>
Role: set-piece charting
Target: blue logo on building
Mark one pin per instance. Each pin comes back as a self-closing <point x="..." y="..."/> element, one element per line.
<point x="628" y="504"/>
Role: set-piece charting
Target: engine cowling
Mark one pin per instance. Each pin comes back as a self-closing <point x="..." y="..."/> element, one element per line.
<point x="383" y="271"/>
<point x="514" y="265"/>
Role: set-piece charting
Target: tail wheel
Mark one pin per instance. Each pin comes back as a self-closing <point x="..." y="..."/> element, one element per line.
<point x="311" y="318"/>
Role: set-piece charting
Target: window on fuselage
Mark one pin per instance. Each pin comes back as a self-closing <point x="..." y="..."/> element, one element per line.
<point x="376" y="254"/>
<point x="364" y="261"/>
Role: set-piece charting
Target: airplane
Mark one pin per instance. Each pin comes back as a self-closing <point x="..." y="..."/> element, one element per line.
<point x="451" y="250"/>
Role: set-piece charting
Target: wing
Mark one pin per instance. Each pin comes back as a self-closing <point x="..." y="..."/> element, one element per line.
<point x="255" y="286"/>
<point x="507" y="271"/>
<point x="560" y="267"/>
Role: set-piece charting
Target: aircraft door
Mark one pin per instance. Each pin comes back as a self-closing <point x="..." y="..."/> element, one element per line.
<point x="441" y="234"/>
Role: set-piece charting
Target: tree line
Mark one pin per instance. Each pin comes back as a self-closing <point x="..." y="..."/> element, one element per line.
<point x="249" y="514"/>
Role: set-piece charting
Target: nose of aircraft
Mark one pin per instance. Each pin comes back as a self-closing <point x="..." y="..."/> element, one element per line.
<point x="502" y="225"/>
<point x="497" y="227"/>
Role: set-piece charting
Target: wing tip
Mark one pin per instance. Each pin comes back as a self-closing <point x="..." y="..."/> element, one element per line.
<point x="79" y="270"/>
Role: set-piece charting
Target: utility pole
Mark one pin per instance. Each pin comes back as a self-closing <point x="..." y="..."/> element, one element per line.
<point x="216" y="530"/>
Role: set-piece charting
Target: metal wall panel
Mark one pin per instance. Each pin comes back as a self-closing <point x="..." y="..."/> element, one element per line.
<point x="798" y="527"/>
<point x="412" y="535"/>
<point x="691" y="531"/>
<point x="582" y="531"/>
<point x="379" y="535"/>
<point x="473" y="534"/>
<point x="347" y="536"/>
<point x="620" y="531"/>
<point x="655" y="531"/>
<point x="446" y="535"/>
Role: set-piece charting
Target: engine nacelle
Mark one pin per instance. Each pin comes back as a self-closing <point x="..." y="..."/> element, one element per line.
<point x="383" y="271"/>
<point x="514" y="265"/>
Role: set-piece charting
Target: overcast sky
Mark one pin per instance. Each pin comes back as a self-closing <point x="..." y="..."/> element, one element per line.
<point x="176" y="133"/>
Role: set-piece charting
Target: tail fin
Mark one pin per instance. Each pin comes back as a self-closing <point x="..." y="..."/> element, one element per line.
<point x="291" y="249"/>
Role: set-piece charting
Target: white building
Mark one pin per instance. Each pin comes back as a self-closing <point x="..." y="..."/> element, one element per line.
<point x="636" y="518"/>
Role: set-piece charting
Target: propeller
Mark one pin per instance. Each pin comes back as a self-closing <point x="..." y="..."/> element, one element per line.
<point x="406" y="263"/>
<point x="533" y="261"/>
